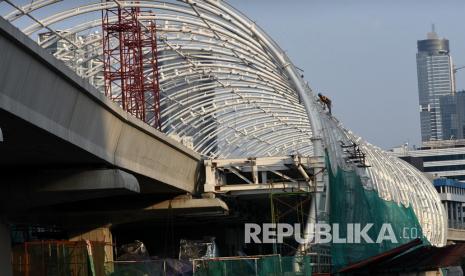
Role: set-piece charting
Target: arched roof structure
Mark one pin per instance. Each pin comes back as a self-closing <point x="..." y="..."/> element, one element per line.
<point x="227" y="86"/>
<point x="220" y="84"/>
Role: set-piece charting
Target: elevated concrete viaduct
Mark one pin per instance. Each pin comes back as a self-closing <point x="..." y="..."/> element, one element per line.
<point x="53" y="120"/>
<point x="63" y="141"/>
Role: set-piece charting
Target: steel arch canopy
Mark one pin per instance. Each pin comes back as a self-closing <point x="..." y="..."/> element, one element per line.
<point x="227" y="86"/>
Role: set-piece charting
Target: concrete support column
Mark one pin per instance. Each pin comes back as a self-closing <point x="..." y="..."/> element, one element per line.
<point x="101" y="234"/>
<point x="456" y="209"/>
<point x="447" y="209"/>
<point x="460" y="213"/>
<point x="451" y="211"/>
<point x="5" y="250"/>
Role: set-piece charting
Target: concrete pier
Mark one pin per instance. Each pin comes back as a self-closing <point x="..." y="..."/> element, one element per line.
<point x="5" y="250"/>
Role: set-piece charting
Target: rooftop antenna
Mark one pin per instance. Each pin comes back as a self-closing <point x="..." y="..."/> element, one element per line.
<point x="432" y="34"/>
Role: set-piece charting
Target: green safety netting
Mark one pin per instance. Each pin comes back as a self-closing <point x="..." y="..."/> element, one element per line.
<point x="260" y="266"/>
<point x="270" y="265"/>
<point x="150" y="268"/>
<point x="350" y="202"/>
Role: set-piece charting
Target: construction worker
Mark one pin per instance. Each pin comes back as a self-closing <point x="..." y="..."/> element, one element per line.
<point x="326" y="101"/>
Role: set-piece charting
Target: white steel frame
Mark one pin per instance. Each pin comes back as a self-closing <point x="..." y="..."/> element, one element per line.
<point x="227" y="86"/>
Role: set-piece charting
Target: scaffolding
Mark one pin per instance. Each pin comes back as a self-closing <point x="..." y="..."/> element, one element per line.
<point x="288" y="182"/>
<point x="292" y="207"/>
<point x="130" y="62"/>
<point x="56" y="258"/>
<point x="289" y="207"/>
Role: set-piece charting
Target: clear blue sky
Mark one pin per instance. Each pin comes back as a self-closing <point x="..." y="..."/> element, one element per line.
<point x="362" y="54"/>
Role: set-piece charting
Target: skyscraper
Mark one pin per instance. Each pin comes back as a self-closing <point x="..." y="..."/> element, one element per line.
<point x="453" y="115"/>
<point x="435" y="79"/>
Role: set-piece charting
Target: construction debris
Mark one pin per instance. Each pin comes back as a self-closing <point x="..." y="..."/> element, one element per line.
<point x="203" y="249"/>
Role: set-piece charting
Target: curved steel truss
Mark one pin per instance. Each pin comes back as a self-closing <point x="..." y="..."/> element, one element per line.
<point x="228" y="89"/>
<point x="220" y="85"/>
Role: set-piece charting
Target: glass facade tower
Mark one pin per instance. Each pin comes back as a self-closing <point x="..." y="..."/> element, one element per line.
<point x="453" y="116"/>
<point x="435" y="79"/>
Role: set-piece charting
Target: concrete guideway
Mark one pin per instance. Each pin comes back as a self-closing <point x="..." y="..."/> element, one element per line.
<point x="38" y="89"/>
<point x="455" y="235"/>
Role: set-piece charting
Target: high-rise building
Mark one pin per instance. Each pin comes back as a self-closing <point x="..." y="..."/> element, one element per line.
<point x="453" y="115"/>
<point x="435" y="79"/>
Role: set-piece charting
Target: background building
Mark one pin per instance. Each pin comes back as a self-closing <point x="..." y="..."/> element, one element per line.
<point x="439" y="159"/>
<point x="452" y="194"/>
<point x="435" y="79"/>
<point x="453" y="115"/>
<point x="444" y="163"/>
